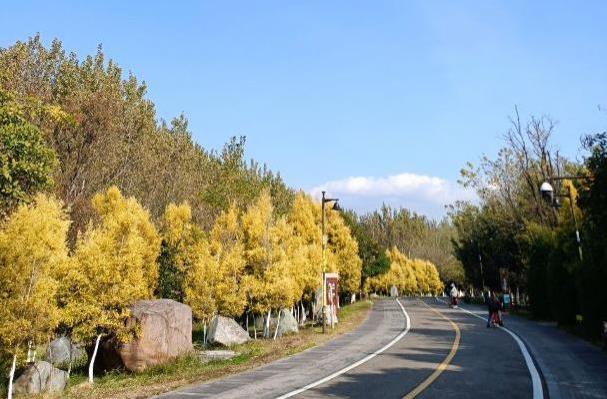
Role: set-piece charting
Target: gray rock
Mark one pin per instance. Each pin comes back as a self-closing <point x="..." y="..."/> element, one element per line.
<point x="208" y="356"/>
<point x="226" y="331"/>
<point x="61" y="350"/>
<point x="165" y="333"/>
<point x="40" y="377"/>
<point x="260" y="322"/>
<point x="288" y="324"/>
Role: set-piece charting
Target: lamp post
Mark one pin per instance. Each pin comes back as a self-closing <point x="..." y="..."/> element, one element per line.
<point x="324" y="262"/>
<point x="549" y="195"/>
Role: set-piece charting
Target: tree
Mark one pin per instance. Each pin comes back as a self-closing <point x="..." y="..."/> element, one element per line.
<point x="104" y="131"/>
<point x="401" y="275"/>
<point x="113" y="266"/>
<point x="413" y="234"/>
<point x="268" y="281"/>
<point x="594" y="234"/>
<point x="342" y="253"/>
<point x="304" y="218"/>
<point x="179" y="239"/>
<point x="227" y="252"/>
<point x="33" y="252"/>
<point x="199" y="283"/>
<point x="26" y="162"/>
<point x="373" y="257"/>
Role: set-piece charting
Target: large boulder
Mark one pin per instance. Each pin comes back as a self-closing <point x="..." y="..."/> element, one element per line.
<point x="61" y="352"/>
<point x="226" y="331"/>
<point x="165" y="333"/>
<point x="288" y="324"/>
<point x="40" y="377"/>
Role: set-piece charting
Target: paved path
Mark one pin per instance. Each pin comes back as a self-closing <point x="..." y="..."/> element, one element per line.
<point x="570" y="367"/>
<point x="483" y="362"/>
<point x="384" y="323"/>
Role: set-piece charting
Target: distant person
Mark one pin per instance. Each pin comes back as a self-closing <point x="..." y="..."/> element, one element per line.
<point x="453" y="295"/>
<point x="494" y="305"/>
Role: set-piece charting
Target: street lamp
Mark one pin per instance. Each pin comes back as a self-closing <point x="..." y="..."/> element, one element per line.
<point x="324" y="262"/>
<point x="548" y="193"/>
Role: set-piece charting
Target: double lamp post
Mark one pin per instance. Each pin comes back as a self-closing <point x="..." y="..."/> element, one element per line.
<point x="552" y="198"/>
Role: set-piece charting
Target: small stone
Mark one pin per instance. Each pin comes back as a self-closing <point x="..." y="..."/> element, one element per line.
<point x="40" y="377"/>
<point x="214" y="355"/>
<point x="227" y="332"/>
<point x="288" y="324"/>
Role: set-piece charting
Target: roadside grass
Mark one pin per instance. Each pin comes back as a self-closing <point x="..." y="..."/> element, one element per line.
<point x="189" y="369"/>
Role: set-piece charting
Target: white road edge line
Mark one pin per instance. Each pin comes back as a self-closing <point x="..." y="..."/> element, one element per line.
<point x="356" y="364"/>
<point x="538" y="390"/>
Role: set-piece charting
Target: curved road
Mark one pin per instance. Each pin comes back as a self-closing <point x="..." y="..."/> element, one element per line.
<point x="421" y="348"/>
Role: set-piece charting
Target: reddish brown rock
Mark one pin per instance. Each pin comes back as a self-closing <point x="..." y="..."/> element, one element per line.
<point x="166" y="333"/>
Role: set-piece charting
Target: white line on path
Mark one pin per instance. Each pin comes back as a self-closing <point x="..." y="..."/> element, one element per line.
<point x="356" y="364"/>
<point x="538" y="391"/>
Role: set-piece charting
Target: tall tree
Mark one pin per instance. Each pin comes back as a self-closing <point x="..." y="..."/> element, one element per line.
<point x="33" y="251"/>
<point x="113" y="266"/>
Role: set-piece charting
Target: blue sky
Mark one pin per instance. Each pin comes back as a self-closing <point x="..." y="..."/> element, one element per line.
<point x="377" y="101"/>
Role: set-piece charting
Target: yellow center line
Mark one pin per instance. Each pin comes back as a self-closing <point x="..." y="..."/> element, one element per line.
<point x="441" y="367"/>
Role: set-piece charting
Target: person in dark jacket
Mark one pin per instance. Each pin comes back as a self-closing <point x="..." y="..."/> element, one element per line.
<point x="493" y="305"/>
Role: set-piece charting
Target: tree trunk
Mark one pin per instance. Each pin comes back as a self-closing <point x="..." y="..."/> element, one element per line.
<point x="277" y="324"/>
<point x="204" y="333"/>
<point x="266" y="333"/>
<point x="296" y="315"/>
<point x="92" y="364"/>
<point x="254" y="327"/>
<point x="247" y="324"/>
<point x="11" y="376"/>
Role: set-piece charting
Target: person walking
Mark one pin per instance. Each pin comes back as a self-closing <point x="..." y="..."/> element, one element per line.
<point x="453" y="295"/>
<point x="493" y="306"/>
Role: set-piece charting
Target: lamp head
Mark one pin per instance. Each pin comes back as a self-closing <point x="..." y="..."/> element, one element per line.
<point x="547" y="191"/>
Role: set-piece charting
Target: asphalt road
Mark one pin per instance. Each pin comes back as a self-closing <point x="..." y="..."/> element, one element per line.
<point x="422" y="348"/>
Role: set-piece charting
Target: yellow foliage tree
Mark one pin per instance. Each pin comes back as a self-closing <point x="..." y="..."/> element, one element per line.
<point x="113" y="266"/>
<point x="434" y="282"/>
<point x="32" y="252"/>
<point x="227" y="251"/>
<point x="199" y="283"/>
<point x="342" y="254"/>
<point x="268" y="280"/>
<point x="179" y="242"/>
<point x="410" y="276"/>
<point x="306" y="250"/>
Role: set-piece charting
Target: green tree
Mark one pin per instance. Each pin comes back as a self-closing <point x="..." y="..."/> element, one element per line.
<point x="26" y="162"/>
<point x="594" y="234"/>
<point x="373" y="257"/>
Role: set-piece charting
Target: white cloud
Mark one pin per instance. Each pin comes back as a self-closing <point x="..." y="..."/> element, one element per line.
<point x="423" y="194"/>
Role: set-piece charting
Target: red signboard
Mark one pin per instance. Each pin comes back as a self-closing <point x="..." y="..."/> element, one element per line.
<point x="332" y="289"/>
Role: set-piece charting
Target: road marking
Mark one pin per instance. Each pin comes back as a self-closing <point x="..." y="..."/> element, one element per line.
<point x="441" y="367"/>
<point x="536" y="381"/>
<point x="356" y="364"/>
